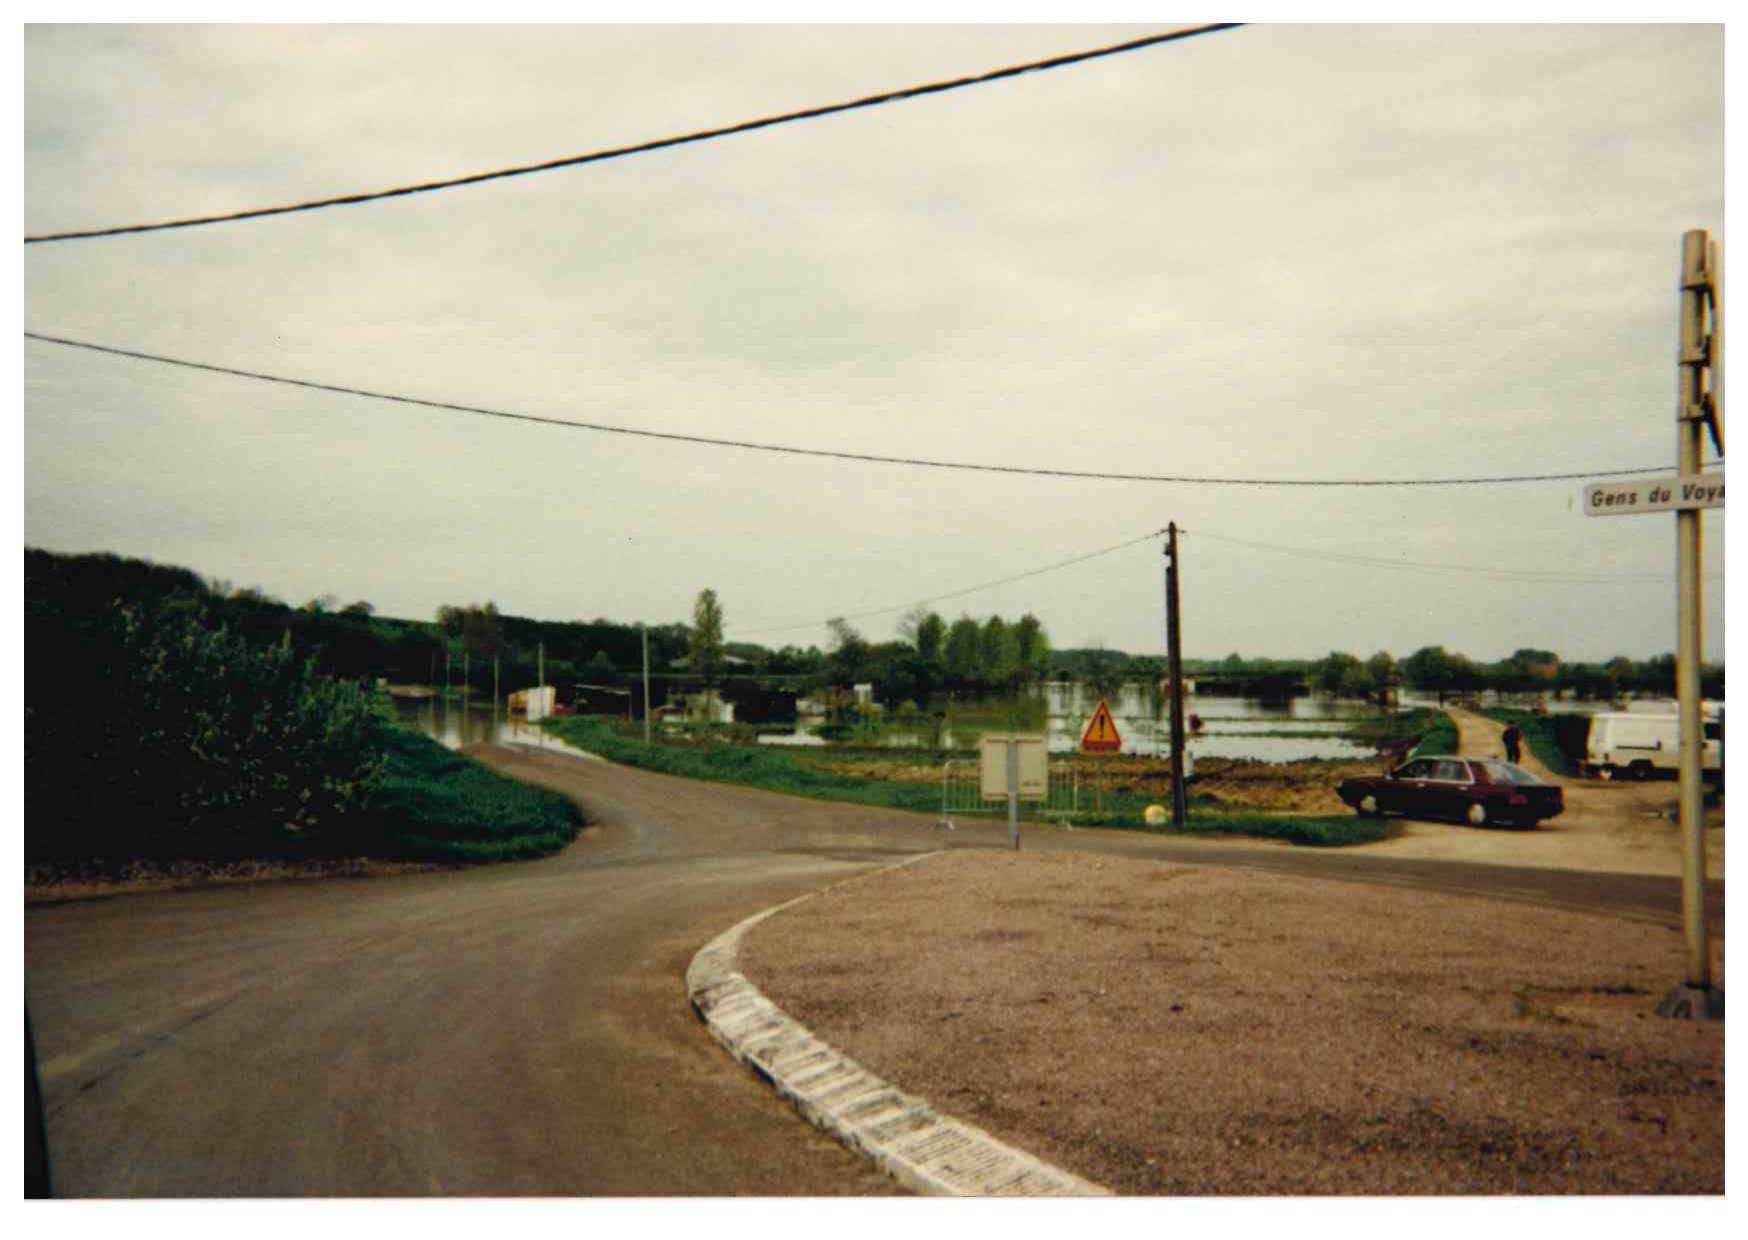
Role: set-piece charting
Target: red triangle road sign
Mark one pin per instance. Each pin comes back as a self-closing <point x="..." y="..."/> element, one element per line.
<point x="1101" y="734"/>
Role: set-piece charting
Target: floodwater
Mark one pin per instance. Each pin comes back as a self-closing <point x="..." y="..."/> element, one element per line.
<point x="1238" y="728"/>
<point x="455" y="728"/>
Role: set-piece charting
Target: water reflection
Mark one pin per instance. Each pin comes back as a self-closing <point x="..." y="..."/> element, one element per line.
<point x="1273" y="731"/>
<point x="454" y="727"/>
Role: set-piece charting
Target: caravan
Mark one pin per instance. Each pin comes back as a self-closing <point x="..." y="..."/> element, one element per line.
<point x="1636" y="746"/>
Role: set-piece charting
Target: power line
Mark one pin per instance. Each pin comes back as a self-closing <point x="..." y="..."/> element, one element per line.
<point x="1308" y="553"/>
<point x="912" y="92"/>
<point x="828" y="453"/>
<point x="939" y="598"/>
<point x="1506" y="574"/>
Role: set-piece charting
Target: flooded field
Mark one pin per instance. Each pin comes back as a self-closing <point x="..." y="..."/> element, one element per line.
<point x="1236" y="728"/>
<point x="1242" y="729"/>
<point x="477" y="724"/>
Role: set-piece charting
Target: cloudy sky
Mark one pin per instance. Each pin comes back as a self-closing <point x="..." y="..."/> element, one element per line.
<point x="1284" y="252"/>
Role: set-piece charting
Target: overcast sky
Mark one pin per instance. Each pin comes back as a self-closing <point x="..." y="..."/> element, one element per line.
<point x="1281" y="252"/>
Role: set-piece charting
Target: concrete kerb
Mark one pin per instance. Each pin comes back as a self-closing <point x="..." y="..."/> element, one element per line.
<point x="922" y="1149"/>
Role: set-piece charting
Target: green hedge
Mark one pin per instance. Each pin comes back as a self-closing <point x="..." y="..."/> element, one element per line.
<point x="154" y="731"/>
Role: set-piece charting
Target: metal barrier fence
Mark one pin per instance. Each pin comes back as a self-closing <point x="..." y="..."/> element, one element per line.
<point x="962" y="794"/>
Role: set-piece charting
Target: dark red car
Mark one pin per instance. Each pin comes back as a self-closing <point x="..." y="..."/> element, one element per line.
<point x="1473" y="790"/>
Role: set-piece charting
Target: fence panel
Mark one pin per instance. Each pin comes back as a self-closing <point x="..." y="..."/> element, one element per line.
<point x="962" y="794"/>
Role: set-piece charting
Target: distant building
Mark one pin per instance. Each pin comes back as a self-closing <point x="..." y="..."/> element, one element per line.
<point x="535" y="703"/>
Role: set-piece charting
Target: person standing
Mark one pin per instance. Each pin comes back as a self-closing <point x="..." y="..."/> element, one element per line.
<point x="1513" y="739"/>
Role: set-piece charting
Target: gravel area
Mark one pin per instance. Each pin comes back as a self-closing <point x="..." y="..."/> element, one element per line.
<point x="1171" y="1029"/>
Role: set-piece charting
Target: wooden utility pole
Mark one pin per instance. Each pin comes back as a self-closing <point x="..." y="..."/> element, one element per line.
<point x="1696" y="409"/>
<point x="645" y="629"/>
<point x="1175" y="668"/>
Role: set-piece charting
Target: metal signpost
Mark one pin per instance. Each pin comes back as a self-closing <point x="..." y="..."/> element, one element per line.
<point x="1687" y="493"/>
<point x="1014" y="766"/>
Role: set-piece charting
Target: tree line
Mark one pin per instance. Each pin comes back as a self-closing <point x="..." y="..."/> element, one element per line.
<point x="931" y="655"/>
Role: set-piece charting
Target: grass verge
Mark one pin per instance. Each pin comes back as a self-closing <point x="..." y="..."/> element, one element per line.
<point x="1543" y="735"/>
<point x="436" y="805"/>
<point x="1437" y="732"/>
<point x="431" y="807"/>
<point x="777" y="771"/>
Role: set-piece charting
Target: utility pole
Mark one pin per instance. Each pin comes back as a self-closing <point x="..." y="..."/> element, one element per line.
<point x="645" y="629"/>
<point x="543" y="666"/>
<point x="1175" y="668"/>
<point x="1696" y="410"/>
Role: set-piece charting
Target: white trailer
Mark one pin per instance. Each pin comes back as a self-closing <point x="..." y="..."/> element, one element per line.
<point x="1638" y="746"/>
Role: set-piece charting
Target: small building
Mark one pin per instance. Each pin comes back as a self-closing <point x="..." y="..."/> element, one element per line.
<point x="536" y="703"/>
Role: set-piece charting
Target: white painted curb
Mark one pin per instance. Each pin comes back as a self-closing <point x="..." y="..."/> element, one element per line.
<point x="921" y="1148"/>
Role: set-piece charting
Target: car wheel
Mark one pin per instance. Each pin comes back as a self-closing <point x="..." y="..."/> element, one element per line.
<point x="1369" y="806"/>
<point x="1640" y="770"/>
<point x="1477" y="815"/>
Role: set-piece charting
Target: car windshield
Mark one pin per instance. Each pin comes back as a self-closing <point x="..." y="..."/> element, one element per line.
<point x="1506" y="773"/>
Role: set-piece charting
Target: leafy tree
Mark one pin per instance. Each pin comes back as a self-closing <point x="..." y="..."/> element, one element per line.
<point x="1357" y="681"/>
<point x="481" y="634"/>
<point x="848" y="662"/>
<point x="1032" y="648"/>
<point x="206" y="744"/>
<point x="931" y="639"/>
<point x="1106" y="669"/>
<point x="998" y="654"/>
<point x="704" y="649"/>
<point x="1334" y="669"/>
<point x="964" y="653"/>
<point x="1430" y="667"/>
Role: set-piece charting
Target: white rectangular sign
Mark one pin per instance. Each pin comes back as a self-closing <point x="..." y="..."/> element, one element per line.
<point x="1034" y="767"/>
<point x="1666" y="494"/>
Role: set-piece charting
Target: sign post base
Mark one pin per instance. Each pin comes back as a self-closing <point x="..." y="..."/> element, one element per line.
<point x="1693" y="1003"/>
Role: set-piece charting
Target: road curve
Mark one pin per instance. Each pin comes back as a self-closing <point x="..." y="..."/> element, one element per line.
<point x="511" y="1030"/>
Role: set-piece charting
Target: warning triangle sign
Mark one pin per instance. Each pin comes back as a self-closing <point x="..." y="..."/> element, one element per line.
<point x="1101" y="734"/>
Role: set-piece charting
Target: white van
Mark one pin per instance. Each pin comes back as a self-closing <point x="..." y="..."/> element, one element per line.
<point x="1638" y="746"/>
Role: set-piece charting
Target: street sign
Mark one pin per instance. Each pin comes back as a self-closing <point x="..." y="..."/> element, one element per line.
<point x="1671" y="493"/>
<point x="1033" y="769"/>
<point x="1101" y="735"/>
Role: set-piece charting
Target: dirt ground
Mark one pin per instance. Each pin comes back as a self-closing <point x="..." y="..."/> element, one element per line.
<point x="1162" y="1029"/>
<point x="1622" y="828"/>
<point x="1168" y="1029"/>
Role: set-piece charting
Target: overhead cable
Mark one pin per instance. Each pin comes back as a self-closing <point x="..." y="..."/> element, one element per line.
<point x="571" y="161"/>
<point x="832" y="454"/>
<point x="1305" y="552"/>
<point x="940" y="598"/>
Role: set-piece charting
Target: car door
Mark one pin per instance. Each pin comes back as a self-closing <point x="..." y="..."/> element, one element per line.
<point x="1450" y="788"/>
<point x="1405" y="792"/>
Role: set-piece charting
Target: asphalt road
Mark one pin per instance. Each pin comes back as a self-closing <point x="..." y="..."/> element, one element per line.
<point x="512" y="1030"/>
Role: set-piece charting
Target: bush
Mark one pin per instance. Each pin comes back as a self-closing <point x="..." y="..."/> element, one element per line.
<point x="190" y="742"/>
<point x="433" y="804"/>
